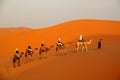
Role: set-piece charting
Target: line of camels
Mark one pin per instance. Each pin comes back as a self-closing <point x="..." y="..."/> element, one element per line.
<point x="43" y="51"/>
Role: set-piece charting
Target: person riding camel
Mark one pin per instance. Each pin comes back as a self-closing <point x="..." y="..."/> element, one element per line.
<point x="59" y="43"/>
<point x="17" y="52"/>
<point x="29" y="48"/>
<point x="43" y="46"/>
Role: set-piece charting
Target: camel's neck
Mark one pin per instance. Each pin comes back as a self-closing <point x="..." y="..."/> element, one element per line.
<point x="89" y="42"/>
<point x="21" y="55"/>
<point x="50" y="47"/>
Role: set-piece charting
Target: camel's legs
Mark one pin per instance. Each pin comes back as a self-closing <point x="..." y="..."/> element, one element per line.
<point x="18" y="61"/>
<point x="44" y="54"/>
<point x="40" y="55"/>
<point x="30" y="58"/>
<point x="83" y="48"/>
<point x="86" y="48"/>
<point x="58" y="51"/>
<point x="26" y="59"/>
<point x="14" y="64"/>
<point x="77" y="49"/>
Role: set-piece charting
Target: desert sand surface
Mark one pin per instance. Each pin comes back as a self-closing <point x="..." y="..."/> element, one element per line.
<point x="12" y="30"/>
<point x="96" y="64"/>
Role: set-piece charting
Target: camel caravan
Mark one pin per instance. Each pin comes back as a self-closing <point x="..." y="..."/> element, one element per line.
<point x="81" y="44"/>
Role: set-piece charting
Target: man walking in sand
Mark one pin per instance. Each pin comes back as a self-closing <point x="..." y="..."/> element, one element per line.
<point x="99" y="44"/>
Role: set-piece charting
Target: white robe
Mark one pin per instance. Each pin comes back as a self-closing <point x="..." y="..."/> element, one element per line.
<point x="80" y="37"/>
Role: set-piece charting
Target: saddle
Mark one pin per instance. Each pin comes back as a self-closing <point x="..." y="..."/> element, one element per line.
<point x="17" y="55"/>
<point x="29" y="51"/>
<point x="60" y="45"/>
<point x="43" y="48"/>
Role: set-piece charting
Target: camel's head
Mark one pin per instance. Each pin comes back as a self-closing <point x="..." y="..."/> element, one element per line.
<point x="91" y="40"/>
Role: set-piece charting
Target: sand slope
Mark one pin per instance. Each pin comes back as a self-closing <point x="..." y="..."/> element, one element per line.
<point x="12" y="30"/>
<point x="67" y="32"/>
<point x="101" y="64"/>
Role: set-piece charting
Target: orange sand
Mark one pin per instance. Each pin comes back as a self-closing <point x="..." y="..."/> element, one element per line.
<point x="101" y="64"/>
<point x="12" y="30"/>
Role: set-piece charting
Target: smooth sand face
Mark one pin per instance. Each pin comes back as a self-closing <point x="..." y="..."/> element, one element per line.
<point x="95" y="65"/>
<point x="12" y="30"/>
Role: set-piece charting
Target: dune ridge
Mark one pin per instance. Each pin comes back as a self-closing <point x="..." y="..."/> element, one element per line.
<point x="13" y="29"/>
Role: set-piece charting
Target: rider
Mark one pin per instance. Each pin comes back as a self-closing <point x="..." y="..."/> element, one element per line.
<point x="17" y="52"/>
<point x="42" y="44"/>
<point x="29" y="48"/>
<point x="59" y="43"/>
<point x="81" y="39"/>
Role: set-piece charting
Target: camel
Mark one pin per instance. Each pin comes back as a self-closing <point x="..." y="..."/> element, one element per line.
<point x="59" y="49"/>
<point x="43" y="51"/>
<point x="16" y="60"/>
<point x="83" y="44"/>
<point x="28" y="55"/>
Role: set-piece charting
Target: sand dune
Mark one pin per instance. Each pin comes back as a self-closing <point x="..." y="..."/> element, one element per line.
<point x="95" y="65"/>
<point x="67" y="32"/>
<point x="103" y="64"/>
<point x="12" y="30"/>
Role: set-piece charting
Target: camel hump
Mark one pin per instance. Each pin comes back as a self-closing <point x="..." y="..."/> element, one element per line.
<point x="52" y="45"/>
<point x="22" y="52"/>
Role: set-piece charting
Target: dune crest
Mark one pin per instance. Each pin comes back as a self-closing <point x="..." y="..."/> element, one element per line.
<point x="12" y="30"/>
